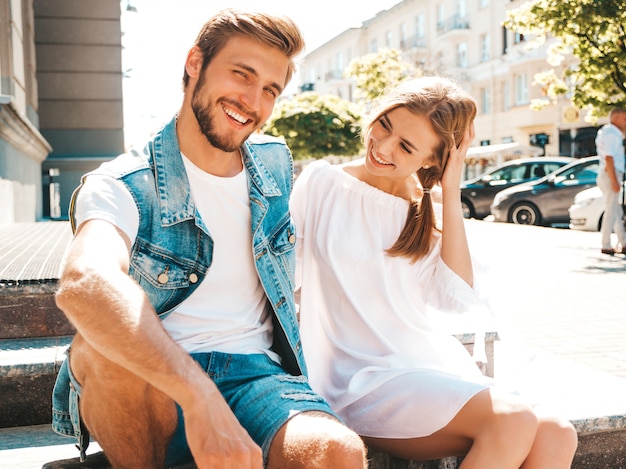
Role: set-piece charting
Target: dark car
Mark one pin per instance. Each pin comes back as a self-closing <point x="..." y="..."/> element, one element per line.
<point x="546" y="201"/>
<point x="477" y="194"/>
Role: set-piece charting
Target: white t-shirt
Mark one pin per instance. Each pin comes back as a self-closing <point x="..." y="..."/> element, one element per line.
<point x="226" y="312"/>
<point x="609" y="141"/>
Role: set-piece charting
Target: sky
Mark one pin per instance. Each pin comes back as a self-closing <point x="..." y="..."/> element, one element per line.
<point x="157" y="36"/>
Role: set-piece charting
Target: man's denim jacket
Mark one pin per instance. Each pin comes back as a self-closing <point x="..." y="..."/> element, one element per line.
<point x="173" y="249"/>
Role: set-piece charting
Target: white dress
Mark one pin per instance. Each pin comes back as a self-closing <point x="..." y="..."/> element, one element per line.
<point x="370" y="346"/>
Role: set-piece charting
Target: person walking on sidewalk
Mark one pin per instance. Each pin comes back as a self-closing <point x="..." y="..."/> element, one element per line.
<point x="610" y="146"/>
<point x="179" y="281"/>
<point x="381" y="250"/>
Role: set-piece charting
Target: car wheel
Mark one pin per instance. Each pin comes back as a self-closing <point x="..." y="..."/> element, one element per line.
<point x="468" y="210"/>
<point x="525" y="214"/>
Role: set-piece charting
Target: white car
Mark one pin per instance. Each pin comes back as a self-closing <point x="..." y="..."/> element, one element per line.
<point x="587" y="210"/>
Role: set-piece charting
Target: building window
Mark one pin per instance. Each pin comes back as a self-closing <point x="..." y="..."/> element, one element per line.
<point x="461" y="9"/>
<point x="519" y="38"/>
<point x="506" y="97"/>
<point x="484" y="3"/>
<point x="388" y="40"/>
<point x="461" y="55"/>
<point x="374" y="46"/>
<point x="340" y="65"/>
<point x="485" y="47"/>
<point x="521" y="89"/>
<point x="403" y="42"/>
<point x="505" y="40"/>
<point x="440" y="16"/>
<point x="485" y="100"/>
<point x="421" y="25"/>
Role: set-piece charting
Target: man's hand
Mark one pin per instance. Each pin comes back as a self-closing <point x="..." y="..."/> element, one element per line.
<point x="216" y="438"/>
<point x="453" y="171"/>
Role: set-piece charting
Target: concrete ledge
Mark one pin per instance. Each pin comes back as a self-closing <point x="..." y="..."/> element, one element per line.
<point x="601" y="450"/>
<point x="29" y="310"/>
<point x="28" y="369"/>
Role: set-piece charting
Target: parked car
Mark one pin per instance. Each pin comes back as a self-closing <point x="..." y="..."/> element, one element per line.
<point x="477" y="194"/>
<point x="587" y="211"/>
<point x="545" y="201"/>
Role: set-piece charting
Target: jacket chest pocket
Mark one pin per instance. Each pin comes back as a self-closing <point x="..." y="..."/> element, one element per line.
<point x="166" y="278"/>
<point x="284" y="239"/>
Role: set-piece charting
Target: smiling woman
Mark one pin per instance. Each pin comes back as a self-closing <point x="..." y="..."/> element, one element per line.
<point x="379" y="259"/>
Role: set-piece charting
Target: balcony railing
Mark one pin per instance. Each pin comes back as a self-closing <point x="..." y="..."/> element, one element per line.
<point x="415" y="41"/>
<point x="333" y="75"/>
<point x="453" y="23"/>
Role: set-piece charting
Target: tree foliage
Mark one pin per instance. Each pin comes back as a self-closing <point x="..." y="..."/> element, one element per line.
<point x="316" y="125"/>
<point x="587" y="49"/>
<point x="376" y="72"/>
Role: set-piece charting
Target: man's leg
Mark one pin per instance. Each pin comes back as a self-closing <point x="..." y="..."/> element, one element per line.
<point x="618" y="226"/>
<point x="293" y="425"/>
<point x="131" y="420"/>
<point x="608" y="219"/>
<point x="315" y="440"/>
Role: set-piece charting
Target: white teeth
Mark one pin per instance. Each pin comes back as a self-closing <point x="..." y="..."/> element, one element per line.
<point x="378" y="160"/>
<point x="238" y="117"/>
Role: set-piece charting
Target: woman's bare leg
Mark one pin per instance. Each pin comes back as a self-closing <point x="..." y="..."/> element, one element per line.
<point x="491" y="431"/>
<point x="555" y="444"/>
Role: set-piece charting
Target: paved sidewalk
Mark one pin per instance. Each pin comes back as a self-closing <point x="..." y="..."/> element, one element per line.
<point x="555" y="291"/>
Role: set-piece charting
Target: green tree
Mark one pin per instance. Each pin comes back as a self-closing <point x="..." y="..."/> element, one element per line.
<point x="587" y="50"/>
<point x="376" y="72"/>
<point x="316" y="125"/>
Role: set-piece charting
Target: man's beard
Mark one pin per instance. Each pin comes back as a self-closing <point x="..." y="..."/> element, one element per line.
<point x="205" y="118"/>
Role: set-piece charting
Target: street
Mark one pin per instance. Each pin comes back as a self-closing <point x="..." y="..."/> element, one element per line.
<point x="555" y="290"/>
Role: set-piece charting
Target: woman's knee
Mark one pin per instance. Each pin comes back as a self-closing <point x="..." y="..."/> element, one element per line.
<point x="558" y="433"/>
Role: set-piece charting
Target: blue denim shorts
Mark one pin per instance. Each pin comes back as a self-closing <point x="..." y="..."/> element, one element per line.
<point x="260" y="393"/>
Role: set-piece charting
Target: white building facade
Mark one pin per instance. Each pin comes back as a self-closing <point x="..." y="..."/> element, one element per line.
<point x="466" y="41"/>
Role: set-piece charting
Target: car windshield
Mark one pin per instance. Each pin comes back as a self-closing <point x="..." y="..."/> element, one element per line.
<point x="579" y="174"/>
<point x="508" y="174"/>
<point x="522" y="172"/>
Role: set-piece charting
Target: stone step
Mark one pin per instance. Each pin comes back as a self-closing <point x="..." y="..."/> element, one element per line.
<point x="28" y="310"/>
<point x="38" y="447"/>
<point x="30" y="265"/>
<point x="28" y="368"/>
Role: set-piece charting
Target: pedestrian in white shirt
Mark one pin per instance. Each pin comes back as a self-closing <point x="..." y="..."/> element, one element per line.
<point x="610" y="146"/>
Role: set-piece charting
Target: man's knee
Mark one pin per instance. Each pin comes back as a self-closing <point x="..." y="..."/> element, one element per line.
<point x="319" y="440"/>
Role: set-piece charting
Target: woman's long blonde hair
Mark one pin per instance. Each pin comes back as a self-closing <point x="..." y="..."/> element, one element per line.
<point x="450" y="110"/>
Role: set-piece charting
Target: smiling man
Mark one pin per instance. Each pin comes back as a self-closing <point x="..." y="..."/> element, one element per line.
<point x="179" y="281"/>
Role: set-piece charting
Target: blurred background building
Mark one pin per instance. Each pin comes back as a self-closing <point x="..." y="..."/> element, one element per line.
<point x="464" y="40"/>
<point x="61" y="76"/>
<point x="60" y="101"/>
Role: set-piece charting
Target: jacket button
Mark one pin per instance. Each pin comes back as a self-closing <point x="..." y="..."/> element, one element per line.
<point x="193" y="278"/>
<point x="163" y="278"/>
<point x="292" y="238"/>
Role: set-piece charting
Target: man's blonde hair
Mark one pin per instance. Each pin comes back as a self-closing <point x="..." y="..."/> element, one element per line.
<point x="279" y="32"/>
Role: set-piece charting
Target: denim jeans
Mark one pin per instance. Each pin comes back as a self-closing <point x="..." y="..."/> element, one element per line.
<point x="260" y="393"/>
